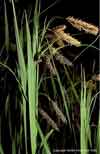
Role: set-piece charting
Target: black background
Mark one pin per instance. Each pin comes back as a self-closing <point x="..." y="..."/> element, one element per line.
<point x="84" y="9"/>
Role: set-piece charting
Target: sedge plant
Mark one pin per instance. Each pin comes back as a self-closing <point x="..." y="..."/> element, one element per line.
<point x="29" y="83"/>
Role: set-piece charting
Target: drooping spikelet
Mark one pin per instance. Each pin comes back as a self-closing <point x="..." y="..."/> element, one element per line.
<point x="48" y="119"/>
<point x="54" y="37"/>
<point x="68" y="38"/>
<point x="59" y="36"/>
<point x="82" y="25"/>
<point x="59" y="113"/>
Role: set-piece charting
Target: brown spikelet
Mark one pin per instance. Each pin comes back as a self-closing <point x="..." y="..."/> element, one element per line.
<point x="68" y="38"/>
<point x="59" y="28"/>
<point x="58" y="41"/>
<point x="82" y="25"/>
<point x="59" y="112"/>
<point x="55" y="39"/>
<point x="48" y="119"/>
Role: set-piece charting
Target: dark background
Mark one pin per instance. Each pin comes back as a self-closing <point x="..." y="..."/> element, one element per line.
<point x="84" y="9"/>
